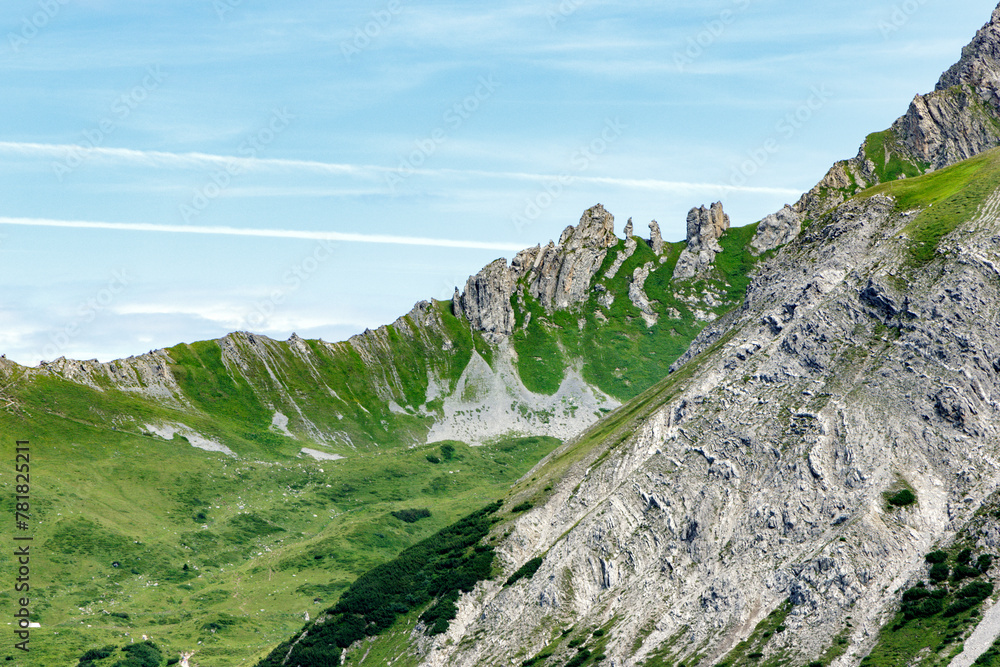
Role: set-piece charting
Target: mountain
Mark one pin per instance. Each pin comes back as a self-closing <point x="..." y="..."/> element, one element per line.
<point x="211" y="495"/>
<point x="814" y="483"/>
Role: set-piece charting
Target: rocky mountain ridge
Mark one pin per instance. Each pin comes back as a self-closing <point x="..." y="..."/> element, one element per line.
<point x="958" y="120"/>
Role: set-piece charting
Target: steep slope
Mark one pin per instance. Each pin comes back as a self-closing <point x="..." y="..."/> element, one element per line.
<point x="755" y="474"/>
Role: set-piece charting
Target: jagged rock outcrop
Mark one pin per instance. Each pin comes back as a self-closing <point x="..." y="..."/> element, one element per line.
<point x="777" y="229"/>
<point x="562" y="276"/>
<point x="629" y="232"/>
<point x="704" y="228"/>
<point x="637" y="294"/>
<point x="557" y="275"/>
<point x="486" y="300"/>
<point x="655" y="238"/>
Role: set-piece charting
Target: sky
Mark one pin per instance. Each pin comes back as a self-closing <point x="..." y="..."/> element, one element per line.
<point x="176" y="170"/>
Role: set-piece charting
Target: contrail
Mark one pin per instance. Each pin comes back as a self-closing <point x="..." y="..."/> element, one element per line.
<point x="161" y="159"/>
<point x="265" y="233"/>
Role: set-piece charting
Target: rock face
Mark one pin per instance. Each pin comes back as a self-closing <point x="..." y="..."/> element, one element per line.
<point x="776" y="230"/>
<point x="705" y="226"/>
<point x="558" y="275"/>
<point x="755" y="476"/>
<point x="655" y="238"/>
<point x="486" y="300"/>
<point x="958" y="120"/>
<point x="562" y="277"/>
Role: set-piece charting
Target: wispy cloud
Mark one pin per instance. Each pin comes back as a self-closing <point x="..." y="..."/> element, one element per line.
<point x="261" y="233"/>
<point x="201" y="161"/>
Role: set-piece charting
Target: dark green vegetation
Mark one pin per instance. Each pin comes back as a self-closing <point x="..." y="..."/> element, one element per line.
<point x="945" y="198"/>
<point x="206" y="552"/>
<point x="621" y="354"/>
<point x="412" y="515"/>
<point x="902" y="498"/>
<point x="526" y="571"/>
<point x="144" y="654"/>
<point x="935" y="617"/>
<point x="433" y="572"/>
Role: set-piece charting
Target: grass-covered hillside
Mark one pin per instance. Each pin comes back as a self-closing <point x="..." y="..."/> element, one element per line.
<point x="201" y="552"/>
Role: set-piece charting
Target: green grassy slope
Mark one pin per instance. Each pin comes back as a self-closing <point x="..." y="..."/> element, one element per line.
<point x="137" y="536"/>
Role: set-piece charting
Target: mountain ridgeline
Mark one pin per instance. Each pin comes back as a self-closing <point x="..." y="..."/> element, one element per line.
<point x="772" y="444"/>
<point x="813" y="483"/>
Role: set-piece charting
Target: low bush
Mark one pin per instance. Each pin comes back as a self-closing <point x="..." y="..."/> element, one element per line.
<point x="436" y="570"/>
<point x="411" y="515"/>
<point x="902" y="498"/>
<point x="964" y="572"/>
<point x="939" y="572"/>
<point x="922" y="608"/>
<point x="526" y="571"/>
<point x="936" y="557"/>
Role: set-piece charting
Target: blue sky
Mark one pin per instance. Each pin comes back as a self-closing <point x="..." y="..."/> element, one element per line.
<point x="173" y="171"/>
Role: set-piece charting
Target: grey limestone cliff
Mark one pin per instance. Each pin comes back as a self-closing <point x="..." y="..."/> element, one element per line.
<point x="704" y="228"/>
<point x="557" y="275"/>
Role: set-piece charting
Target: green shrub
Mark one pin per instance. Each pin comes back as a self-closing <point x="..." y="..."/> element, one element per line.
<point x="960" y="605"/>
<point x="411" y="515"/>
<point x="581" y="657"/>
<point x="922" y="608"/>
<point x="97" y="654"/>
<point x="936" y="557"/>
<point x="525" y="571"/>
<point x="984" y="562"/>
<point x="521" y="507"/>
<point x="902" y="498"/>
<point x="448" y="451"/>
<point x="914" y="594"/>
<point x="977" y="590"/>
<point x="939" y="572"/>
<point x="964" y="572"/>
<point x="964" y="556"/>
<point x="433" y="459"/>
